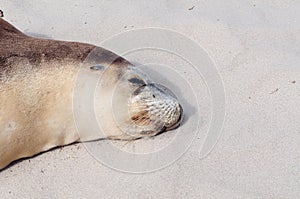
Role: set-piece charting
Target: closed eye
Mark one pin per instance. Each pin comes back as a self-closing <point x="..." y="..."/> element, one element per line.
<point x="136" y="81"/>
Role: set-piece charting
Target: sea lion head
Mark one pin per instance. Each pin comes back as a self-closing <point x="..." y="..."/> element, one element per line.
<point x="144" y="108"/>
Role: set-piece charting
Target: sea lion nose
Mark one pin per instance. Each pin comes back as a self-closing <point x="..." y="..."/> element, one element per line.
<point x="178" y="122"/>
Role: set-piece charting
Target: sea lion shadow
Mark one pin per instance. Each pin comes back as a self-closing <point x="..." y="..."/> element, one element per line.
<point x="41" y="153"/>
<point x="37" y="35"/>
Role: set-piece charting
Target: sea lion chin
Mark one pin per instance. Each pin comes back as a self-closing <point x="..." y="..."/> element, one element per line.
<point x="40" y="91"/>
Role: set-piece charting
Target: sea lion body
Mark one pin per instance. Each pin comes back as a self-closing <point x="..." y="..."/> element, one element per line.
<point x="37" y="80"/>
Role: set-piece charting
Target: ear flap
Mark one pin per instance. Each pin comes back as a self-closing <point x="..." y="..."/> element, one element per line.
<point x="97" y="67"/>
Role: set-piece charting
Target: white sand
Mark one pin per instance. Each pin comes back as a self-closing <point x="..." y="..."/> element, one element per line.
<point x="256" y="48"/>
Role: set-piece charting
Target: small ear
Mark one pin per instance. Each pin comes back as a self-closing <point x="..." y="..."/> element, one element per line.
<point x="97" y="67"/>
<point x="137" y="81"/>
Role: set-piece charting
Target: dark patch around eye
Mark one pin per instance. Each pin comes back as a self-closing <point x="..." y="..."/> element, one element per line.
<point x="137" y="81"/>
<point x="153" y="96"/>
<point x="97" y="67"/>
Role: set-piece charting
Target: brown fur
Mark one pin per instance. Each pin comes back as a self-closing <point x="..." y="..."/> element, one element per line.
<point x="14" y="44"/>
<point x="37" y="78"/>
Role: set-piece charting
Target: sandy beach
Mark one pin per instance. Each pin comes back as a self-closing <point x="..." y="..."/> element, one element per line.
<point x="253" y="49"/>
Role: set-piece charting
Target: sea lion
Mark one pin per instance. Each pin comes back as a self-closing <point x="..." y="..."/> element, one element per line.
<point x="38" y="79"/>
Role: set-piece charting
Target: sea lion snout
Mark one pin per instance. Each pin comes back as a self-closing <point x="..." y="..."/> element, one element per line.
<point x="178" y="122"/>
<point x="154" y="108"/>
